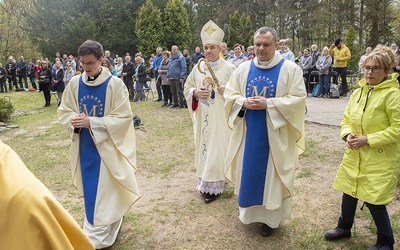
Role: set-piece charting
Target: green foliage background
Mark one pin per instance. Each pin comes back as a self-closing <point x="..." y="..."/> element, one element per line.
<point x="39" y="28"/>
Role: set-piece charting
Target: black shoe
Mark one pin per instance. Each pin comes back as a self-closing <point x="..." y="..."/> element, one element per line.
<point x="266" y="231"/>
<point x="47" y="105"/>
<point x="164" y="105"/>
<point x="173" y="106"/>
<point x="337" y="234"/>
<point x="158" y="100"/>
<point x="344" y="95"/>
<point x="210" y="198"/>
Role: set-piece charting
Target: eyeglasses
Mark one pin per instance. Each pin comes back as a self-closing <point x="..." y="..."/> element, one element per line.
<point x="372" y="69"/>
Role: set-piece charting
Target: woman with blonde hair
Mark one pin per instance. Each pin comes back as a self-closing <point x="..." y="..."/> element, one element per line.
<point x="323" y="64"/>
<point x="371" y="163"/>
<point x="162" y="76"/>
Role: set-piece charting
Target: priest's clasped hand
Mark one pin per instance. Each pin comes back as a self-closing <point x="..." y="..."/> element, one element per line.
<point x="80" y="121"/>
<point x="256" y="103"/>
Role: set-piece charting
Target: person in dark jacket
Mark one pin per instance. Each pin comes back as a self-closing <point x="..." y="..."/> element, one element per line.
<point x="140" y="77"/>
<point x="3" y="77"/>
<point x="21" y="71"/>
<point x="45" y="82"/>
<point x="12" y="72"/>
<point x="128" y="71"/>
<point x="197" y="56"/>
<point x="188" y="62"/>
<point x="30" y="72"/>
<point x="58" y="80"/>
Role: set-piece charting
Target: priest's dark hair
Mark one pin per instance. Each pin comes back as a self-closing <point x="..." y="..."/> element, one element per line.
<point x="90" y="47"/>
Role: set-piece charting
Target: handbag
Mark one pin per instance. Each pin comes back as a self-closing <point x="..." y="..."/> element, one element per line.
<point x="43" y="81"/>
<point x="54" y="86"/>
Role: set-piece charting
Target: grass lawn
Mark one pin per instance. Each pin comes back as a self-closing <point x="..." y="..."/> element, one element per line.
<point x="171" y="214"/>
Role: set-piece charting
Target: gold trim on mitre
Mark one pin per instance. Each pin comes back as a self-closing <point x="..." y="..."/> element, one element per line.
<point x="211" y="34"/>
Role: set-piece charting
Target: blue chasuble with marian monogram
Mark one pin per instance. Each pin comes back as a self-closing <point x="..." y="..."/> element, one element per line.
<point x="260" y="82"/>
<point x="91" y="102"/>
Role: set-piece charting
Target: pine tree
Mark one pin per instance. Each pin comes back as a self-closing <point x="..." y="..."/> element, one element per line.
<point x="240" y="30"/>
<point x="233" y="30"/>
<point x="148" y="29"/>
<point x="355" y="53"/>
<point x="176" y="25"/>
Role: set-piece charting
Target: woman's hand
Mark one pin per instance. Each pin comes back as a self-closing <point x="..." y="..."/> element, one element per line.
<point x="355" y="142"/>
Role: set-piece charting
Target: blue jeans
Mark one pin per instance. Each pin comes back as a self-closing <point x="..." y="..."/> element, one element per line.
<point x="379" y="214"/>
<point x="324" y="84"/>
<point x="32" y="79"/>
<point x="139" y="89"/>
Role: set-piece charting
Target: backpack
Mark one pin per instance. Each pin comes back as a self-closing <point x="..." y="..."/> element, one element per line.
<point x="315" y="91"/>
<point x="136" y="121"/>
<point x="334" y="89"/>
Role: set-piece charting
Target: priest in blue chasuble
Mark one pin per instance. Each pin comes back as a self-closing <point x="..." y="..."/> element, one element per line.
<point x="96" y="112"/>
<point x="265" y="106"/>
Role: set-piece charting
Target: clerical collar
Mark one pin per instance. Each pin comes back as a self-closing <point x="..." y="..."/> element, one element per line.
<point x="93" y="78"/>
<point x="264" y="63"/>
<point x="212" y="64"/>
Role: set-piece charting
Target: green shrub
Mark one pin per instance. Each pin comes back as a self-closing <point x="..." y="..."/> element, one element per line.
<point x="6" y="110"/>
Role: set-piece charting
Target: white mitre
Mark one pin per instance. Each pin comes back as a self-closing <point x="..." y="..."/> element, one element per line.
<point x="211" y="34"/>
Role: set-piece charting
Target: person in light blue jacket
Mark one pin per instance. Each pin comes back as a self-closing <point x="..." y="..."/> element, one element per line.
<point x="323" y="65"/>
<point x="176" y="77"/>
<point x="285" y="51"/>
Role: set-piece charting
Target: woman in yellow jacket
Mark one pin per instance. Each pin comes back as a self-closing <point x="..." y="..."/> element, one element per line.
<point x="371" y="163"/>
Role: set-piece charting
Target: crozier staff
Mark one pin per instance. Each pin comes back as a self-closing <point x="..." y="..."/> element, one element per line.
<point x="211" y="131"/>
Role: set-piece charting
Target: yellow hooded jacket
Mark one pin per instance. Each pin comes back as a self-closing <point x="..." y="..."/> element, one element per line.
<point x="370" y="173"/>
<point x="343" y="54"/>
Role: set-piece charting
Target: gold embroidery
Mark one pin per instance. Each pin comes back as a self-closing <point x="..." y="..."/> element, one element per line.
<point x="210" y="30"/>
<point x="263" y="92"/>
<point x="89" y="113"/>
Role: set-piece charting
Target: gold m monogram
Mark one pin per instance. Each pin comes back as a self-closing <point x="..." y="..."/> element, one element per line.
<point x="263" y="92"/>
<point x="92" y="111"/>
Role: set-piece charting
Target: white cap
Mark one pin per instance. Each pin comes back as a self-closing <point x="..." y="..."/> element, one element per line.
<point x="211" y="33"/>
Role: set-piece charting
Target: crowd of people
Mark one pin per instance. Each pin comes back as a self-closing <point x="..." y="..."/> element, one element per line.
<point x="324" y="68"/>
<point x="247" y="110"/>
<point x="321" y="68"/>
